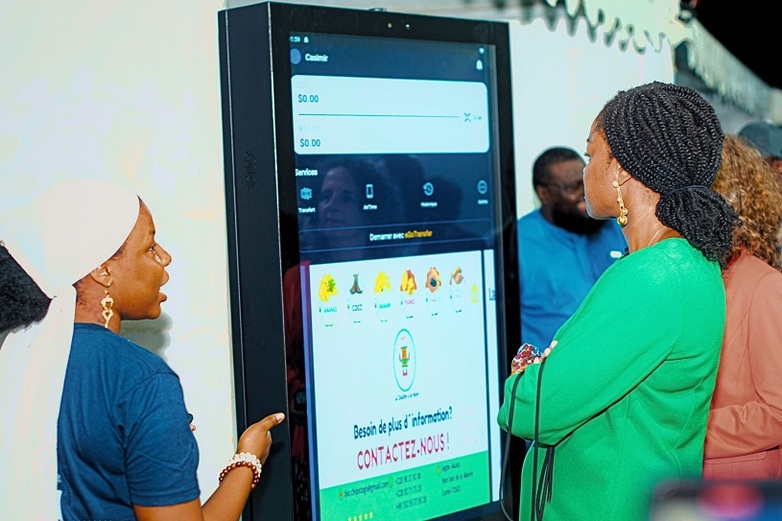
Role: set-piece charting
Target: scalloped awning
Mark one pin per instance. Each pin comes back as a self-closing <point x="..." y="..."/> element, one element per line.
<point x="641" y="21"/>
<point x="647" y="22"/>
<point x="731" y="79"/>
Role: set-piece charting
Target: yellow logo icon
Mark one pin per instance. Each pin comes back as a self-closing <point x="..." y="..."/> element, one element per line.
<point x="408" y="282"/>
<point x="327" y="288"/>
<point x="382" y="283"/>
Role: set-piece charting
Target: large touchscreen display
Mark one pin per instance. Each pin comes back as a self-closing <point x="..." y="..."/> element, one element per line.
<point x="397" y="197"/>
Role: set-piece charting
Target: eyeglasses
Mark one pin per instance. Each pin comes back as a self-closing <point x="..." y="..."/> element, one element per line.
<point x="567" y="188"/>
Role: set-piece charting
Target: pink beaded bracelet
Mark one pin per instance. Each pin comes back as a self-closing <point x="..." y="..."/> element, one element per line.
<point x="244" y="459"/>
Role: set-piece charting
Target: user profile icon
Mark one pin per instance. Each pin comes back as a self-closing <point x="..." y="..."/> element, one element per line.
<point x="295" y="56"/>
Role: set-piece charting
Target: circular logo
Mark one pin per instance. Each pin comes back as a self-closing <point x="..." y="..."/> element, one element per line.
<point x="295" y="56"/>
<point x="404" y="360"/>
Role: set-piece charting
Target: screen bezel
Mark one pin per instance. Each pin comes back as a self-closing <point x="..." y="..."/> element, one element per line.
<point x="254" y="41"/>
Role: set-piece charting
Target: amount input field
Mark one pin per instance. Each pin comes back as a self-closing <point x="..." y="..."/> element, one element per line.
<point x="347" y="115"/>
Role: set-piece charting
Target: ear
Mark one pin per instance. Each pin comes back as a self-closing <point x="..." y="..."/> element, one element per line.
<point x="102" y="275"/>
<point x="542" y="194"/>
<point x="621" y="174"/>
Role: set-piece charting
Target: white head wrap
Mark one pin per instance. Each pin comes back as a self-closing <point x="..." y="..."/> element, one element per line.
<point x="71" y="229"/>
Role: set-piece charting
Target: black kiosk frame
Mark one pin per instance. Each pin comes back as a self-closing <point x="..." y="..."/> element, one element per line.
<point x="372" y="259"/>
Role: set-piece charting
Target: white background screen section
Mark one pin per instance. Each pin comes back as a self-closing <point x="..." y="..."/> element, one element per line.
<point x="338" y="115"/>
<point x="399" y="357"/>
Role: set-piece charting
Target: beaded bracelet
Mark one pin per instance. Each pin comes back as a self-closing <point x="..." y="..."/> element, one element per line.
<point x="244" y="459"/>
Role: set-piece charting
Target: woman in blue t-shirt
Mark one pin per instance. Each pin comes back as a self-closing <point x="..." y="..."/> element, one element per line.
<point x="100" y="429"/>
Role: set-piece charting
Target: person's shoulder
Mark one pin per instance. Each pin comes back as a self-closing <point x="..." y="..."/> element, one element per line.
<point x="660" y="258"/>
<point x="608" y="243"/>
<point x="749" y="271"/>
<point x="95" y="341"/>
<point x="532" y="218"/>
<point x="675" y="263"/>
<point x="611" y="232"/>
<point x="668" y="276"/>
<point x="749" y="263"/>
<point x="533" y="224"/>
<point x="612" y="228"/>
<point x="536" y="234"/>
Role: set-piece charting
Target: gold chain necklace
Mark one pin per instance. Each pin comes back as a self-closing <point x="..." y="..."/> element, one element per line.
<point x="655" y="236"/>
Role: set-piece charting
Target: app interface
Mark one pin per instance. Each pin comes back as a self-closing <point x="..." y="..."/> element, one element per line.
<point x="396" y="180"/>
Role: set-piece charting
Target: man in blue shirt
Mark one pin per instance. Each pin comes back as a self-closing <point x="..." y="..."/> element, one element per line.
<point x="562" y="251"/>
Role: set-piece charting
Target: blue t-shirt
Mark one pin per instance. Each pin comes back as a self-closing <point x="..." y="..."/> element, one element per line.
<point x="557" y="268"/>
<point x="123" y="434"/>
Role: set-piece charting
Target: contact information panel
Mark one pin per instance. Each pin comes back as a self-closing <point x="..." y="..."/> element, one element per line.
<point x="396" y="179"/>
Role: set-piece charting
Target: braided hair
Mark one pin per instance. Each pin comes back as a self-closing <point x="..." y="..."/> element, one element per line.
<point x="21" y="300"/>
<point x="669" y="138"/>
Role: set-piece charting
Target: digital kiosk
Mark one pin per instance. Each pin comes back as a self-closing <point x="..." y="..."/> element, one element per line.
<point x="369" y="191"/>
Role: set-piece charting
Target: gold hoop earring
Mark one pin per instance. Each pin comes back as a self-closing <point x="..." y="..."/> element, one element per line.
<point x="622" y="217"/>
<point x="107" y="303"/>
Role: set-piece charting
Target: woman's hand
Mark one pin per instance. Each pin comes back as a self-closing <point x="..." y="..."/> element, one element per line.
<point x="547" y="351"/>
<point x="257" y="439"/>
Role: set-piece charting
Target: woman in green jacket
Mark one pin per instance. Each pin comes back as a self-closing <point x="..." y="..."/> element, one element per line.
<point x="621" y="403"/>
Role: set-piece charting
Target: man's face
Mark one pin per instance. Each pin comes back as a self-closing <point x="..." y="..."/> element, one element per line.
<point x="563" y="193"/>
